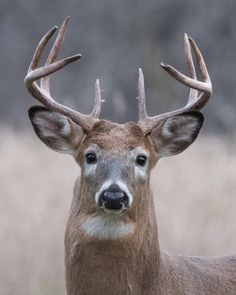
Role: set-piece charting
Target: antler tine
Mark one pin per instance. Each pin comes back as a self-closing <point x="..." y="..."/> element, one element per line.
<point x="205" y="87"/>
<point x="42" y="94"/>
<point x="45" y="81"/>
<point x="191" y="69"/>
<point x="194" y="102"/>
<point x="97" y="100"/>
<point x="38" y="52"/>
<point x="141" y="97"/>
<point x="201" y="62"/>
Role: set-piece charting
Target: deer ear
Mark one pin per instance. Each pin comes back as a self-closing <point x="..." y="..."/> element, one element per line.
<point x="56" y="131"/>
<point x="177" y="133"/>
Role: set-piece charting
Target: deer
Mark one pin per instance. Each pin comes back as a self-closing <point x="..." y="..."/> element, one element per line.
<point x="111" y="238"/>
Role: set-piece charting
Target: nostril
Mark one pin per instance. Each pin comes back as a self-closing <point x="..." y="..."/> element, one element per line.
<point x="125" y="200"/>
<point x="106" y="196"/>
<point x="113" y="198"/>
<point x="123" y="196"/>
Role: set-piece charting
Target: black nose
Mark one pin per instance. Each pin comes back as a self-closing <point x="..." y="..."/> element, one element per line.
<point x="113" y="198"/>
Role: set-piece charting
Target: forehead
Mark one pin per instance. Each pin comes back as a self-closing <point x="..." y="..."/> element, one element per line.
<point x="108" y="135"/>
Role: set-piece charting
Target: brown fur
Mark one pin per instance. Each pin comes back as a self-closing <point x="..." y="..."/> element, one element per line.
<point x="133" y="264"/>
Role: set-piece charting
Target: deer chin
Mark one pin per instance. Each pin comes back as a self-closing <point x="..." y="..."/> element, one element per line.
<point x="107" y="226"/>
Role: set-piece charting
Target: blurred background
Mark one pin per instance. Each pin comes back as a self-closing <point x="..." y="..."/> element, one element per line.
<point x="195" y="191"/>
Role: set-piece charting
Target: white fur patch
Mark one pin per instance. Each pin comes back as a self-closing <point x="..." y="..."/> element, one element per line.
<point x="90" y="169"/>
<point x="66" y="129"/>
<point x="140" y="172"/>
<point x="107" y="227"/>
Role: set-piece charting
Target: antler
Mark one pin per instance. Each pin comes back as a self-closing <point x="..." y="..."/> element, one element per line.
<point x="194" y="103"/>
<point x="42" y="92"/>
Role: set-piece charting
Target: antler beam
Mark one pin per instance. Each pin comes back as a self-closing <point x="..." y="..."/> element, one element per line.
<point x="42" y="92"/>
<point x="194" y="102"/>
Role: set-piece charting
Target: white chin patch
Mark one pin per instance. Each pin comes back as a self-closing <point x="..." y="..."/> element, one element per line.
<point x="107" y="226"/>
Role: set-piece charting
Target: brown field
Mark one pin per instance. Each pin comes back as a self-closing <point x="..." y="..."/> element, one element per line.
<point x="196" y="197"/>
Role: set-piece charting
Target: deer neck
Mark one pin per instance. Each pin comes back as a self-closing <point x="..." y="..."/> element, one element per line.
<point x="128" y="259"/>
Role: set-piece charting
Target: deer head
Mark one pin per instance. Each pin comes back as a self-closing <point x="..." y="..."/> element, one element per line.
<point x="115" y="159"/>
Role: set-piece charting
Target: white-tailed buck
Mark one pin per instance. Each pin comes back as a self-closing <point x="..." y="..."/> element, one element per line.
<point x="111" y="240"/>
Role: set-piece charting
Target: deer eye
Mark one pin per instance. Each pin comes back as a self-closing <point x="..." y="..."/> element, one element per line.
<point x="91" y="158"/>
<point x="141" y="160"/>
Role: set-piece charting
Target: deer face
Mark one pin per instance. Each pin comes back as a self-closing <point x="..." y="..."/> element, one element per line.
<point x="115" y="159"/>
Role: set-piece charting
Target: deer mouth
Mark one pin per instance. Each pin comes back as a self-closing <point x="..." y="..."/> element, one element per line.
<point x="113" y="211"/>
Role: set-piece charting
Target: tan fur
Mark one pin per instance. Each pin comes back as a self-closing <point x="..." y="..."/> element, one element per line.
<point x="133" y="264"/>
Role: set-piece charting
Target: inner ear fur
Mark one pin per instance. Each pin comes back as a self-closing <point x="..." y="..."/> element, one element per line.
<point x="175" y="134"/>
<point x="58" y="132"/>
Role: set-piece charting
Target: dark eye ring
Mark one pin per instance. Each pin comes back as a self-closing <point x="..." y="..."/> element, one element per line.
<point x="141" y="160"/>
<point x="91" y="158"/>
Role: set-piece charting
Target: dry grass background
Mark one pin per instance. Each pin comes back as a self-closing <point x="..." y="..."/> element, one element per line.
<point x="195" y="201"/>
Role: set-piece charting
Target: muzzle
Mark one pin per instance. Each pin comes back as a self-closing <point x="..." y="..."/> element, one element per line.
<point x="113" y="198"/>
